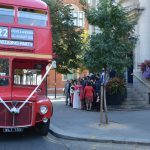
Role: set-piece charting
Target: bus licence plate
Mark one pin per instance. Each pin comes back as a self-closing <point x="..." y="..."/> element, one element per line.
<point x="13" y="130"/>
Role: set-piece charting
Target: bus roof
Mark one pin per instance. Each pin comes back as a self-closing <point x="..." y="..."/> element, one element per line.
<point x="26" y="3"/>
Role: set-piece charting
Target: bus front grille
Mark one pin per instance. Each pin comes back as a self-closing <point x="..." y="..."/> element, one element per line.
<point x="22" y="119"/>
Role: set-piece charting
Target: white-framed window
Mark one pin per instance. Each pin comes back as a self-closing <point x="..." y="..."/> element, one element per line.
<point x="89" y="2"/>
<point x="97" y="30"/>
<point x="113" y="1"/>
<point x="92" y="3"/>
<point x="66" y="77"/>
<point x="78" y="18"/>
<point x="94" y="29"/>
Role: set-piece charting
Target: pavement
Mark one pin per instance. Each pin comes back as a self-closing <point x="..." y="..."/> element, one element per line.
<point x="125" y="126"/>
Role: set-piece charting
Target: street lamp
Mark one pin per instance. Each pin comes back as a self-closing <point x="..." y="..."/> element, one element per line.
<point x="55" y="66"/>
<point x="55" y="82"/>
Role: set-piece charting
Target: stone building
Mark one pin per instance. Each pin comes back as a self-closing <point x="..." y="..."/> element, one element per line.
<point x="142" y="50"/>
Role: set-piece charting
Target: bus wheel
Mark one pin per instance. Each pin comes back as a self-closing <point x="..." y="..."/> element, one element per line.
<point x="43" y="128"/>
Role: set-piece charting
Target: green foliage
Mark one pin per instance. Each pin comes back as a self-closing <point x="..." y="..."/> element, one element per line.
<point x="67" y="39"/>
<point x="115" y="86"/>
<point x="83" y="2"/>
<point x="115" y="41"/>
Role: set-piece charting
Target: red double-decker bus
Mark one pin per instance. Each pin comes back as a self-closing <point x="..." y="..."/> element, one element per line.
<point x="25" y="51"/>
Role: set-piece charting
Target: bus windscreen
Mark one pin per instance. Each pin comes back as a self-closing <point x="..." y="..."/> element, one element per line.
<point x="27" y="76"/>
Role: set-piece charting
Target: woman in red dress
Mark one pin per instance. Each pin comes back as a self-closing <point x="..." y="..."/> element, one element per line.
<point x="81" y="95"/>
<point x="88" y="94"/>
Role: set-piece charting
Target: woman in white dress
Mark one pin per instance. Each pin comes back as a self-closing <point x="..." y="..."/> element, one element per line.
<point x="76" y="97"/>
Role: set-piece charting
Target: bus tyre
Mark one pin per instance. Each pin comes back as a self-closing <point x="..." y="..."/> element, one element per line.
<point x="43" y="128"/>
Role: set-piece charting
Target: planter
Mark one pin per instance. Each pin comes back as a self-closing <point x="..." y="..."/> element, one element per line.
<point x="116" y="91"/>
<point x="115" y="99"/>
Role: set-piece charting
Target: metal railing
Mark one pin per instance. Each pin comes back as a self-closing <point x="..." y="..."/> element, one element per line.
<point x="147" y="84"/>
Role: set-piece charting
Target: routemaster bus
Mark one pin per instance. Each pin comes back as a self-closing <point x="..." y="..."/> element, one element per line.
<point x="25" y="51"/>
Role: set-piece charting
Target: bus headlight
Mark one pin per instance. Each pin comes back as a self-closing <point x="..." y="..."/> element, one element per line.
<point x="43" y="110"/>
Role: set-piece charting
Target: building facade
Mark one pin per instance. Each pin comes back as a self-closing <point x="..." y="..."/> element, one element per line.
<point x="141" y="53"/>
<point x="57" y="81"/>
<point x="142" y="50"/>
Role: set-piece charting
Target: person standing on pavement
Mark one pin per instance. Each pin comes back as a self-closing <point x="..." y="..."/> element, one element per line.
<point x="104" y="77"/>
<point x="88" y="94"/>
<point x="81" y="95"/>
<point x="67" y="92"/>
<point x="71" y="92"/>
<point x="97" y="89"/>
<point x="76" y="96"/>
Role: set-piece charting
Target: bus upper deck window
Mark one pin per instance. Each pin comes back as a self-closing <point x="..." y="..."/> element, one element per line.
<point x="7" y="14"/>
<point x="32" y="17"/>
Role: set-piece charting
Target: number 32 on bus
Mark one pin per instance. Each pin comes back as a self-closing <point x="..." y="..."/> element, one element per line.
<point x="25" y="51"/>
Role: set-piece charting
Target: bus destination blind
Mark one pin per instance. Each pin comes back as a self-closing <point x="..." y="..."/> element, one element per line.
<point x="18" y="37"/>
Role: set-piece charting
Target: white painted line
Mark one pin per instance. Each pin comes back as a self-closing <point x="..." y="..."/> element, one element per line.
<point x="58" y="100"/>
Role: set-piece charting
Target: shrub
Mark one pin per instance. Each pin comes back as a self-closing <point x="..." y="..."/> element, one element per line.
<point x="115" y="86"/>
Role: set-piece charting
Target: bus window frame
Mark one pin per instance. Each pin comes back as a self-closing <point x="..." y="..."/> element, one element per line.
<point x="5" y="77"/>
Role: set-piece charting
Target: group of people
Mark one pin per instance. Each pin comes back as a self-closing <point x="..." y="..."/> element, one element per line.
<point x="84" y="93"/>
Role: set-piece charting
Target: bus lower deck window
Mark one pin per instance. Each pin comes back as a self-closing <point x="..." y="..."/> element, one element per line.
<point x="4" y="81"/>
<point x="4" y="71"/>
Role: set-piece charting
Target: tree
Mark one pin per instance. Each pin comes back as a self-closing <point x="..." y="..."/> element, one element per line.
<point x="115" y="40"/>
<point x="67" y="39"/>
